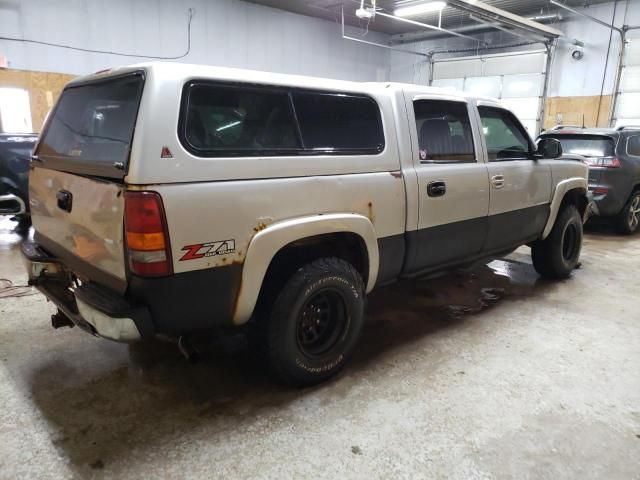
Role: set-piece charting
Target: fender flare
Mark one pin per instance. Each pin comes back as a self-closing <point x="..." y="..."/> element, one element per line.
<point x="561" y="190"/>
<point x="266" y="243"/>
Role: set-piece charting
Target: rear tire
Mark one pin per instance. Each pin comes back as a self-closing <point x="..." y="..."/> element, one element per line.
<point x="314" y="323"/>
<point x="627" y="221"/>
<point x="558" y="255"/>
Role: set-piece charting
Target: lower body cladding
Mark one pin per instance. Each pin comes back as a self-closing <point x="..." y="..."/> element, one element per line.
<point x="169" y="306"/>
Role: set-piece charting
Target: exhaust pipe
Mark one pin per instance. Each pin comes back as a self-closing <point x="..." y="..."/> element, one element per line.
<point x="11" y="204"/>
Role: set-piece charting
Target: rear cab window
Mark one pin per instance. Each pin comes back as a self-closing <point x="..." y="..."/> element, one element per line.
<point x="91" y="128"/>
<point x="586" y="145"/>
<point x="598" y="150"/>
<point x="221" y="120"/>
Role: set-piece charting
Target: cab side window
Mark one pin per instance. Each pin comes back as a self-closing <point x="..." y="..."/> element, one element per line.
<point x="633" y="146"/>
<point x="506" y="138"/>
<point x="444" y="132"/>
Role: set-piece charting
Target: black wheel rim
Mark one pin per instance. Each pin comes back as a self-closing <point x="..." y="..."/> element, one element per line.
<point x="569" y="246"/>
<point x="321" y="322"/>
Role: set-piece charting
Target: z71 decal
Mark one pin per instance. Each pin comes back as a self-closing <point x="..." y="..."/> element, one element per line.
<point x="210" y="249"/>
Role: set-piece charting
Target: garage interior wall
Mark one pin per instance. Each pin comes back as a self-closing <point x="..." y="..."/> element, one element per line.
<point x="576" y="87"/>
<point x="239" y="34"/>
<point x="228" y="33"/>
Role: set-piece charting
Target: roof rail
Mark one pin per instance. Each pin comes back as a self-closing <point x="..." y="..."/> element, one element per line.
<point x="628" y="127"/>
<point x="562" y="127"/>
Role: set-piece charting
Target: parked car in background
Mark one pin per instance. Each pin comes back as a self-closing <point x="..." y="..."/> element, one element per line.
<point x="613" y="156"/>
<point x="15" y="156"/>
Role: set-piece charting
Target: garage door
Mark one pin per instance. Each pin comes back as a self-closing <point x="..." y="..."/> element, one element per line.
<point x="627" y="109"/>
<point x="516" y="78"/>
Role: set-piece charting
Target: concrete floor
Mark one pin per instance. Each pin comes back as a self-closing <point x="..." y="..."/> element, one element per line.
<point x="488" y="374"/>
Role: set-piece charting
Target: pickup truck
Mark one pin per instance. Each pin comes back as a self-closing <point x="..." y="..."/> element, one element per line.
<point x="172" y="199"/>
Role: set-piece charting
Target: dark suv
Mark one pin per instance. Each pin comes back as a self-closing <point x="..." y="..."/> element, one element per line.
<point x="613" y="156"/>
<point x="15" y="155"/>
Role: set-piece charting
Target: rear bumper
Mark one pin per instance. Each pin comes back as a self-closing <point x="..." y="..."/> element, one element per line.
<point x="592" y="208"/>
<point x="608" y="205"/>
<point x="170" y="306"/>
<point x="91" y="307"/>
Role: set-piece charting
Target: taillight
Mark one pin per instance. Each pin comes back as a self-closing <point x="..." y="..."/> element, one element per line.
<point x="604" y="162"/>
<point x="147" y="236"/>
<point x="611" y="162"/>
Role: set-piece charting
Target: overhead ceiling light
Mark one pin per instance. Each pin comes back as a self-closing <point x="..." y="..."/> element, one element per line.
<point x="426" y="7"/>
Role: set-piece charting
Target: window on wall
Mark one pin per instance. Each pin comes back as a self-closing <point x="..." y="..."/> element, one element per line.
<point x="232" y="120"/>
<point x="505" y="137"/>
<point x="15" y="111"/>
<point x="444" y="132"/>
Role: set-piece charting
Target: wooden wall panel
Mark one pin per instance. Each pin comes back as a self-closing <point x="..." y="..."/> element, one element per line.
<point x="569" y="111"/>
<point x="43" y="87"/>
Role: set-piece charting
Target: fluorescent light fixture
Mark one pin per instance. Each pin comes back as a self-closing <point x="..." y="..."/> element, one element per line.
<point x="228" y="125"/>
<point x="426" y="7"/>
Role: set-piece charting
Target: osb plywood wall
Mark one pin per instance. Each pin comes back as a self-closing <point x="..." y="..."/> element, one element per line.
<point x="43" y="88"/>
<point x="569" y="111"/>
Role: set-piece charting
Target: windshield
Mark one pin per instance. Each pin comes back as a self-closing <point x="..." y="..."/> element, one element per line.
<point x="586" y="145"/>
<point x="91" y="128"/>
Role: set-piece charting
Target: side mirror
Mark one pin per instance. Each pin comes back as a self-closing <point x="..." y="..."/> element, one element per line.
<point x="548" y="148"/>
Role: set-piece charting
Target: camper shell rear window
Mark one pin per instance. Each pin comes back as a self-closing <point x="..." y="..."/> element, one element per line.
<point x="91" y="128"/>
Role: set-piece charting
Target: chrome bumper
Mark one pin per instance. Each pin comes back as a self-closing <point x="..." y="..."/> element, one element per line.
<point x="90" y="307"/>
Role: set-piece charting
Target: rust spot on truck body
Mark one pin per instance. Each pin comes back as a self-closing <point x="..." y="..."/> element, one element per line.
<point x="370" y="214"/>
<point x="261" y="226"/>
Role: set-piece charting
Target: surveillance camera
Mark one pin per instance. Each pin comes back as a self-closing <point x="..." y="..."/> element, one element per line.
<point x="577" y="54"/>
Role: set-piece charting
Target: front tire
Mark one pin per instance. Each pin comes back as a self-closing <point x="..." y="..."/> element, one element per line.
<point x="315" y="322"/>
<point x="628" y="219"/>
<point x="558" y="255"/>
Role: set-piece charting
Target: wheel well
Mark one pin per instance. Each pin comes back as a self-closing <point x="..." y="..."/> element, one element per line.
<point x="575" y="197"/>
<point x="344" y="245"/>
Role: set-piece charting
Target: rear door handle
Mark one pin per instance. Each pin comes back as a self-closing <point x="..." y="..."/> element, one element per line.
<point x="497" y="181"/>
<point x="436" y="189"/>
<point x="65" y="200"/>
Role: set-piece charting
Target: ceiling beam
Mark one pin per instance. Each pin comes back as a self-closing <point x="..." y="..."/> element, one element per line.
<point x="495" y="14"/>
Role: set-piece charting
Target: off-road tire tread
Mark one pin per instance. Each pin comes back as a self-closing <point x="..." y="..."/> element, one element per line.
<point x="271" y="323"/>
<point x="547" y="254"/>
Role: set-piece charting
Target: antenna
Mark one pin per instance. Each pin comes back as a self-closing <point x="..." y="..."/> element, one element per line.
<point x="583" y="127"/>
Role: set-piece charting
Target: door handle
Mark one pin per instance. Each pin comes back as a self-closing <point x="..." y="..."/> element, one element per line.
<point x="497" y="181"/>
<point x="436" y="189"/>
<point x="65" y="200"/>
